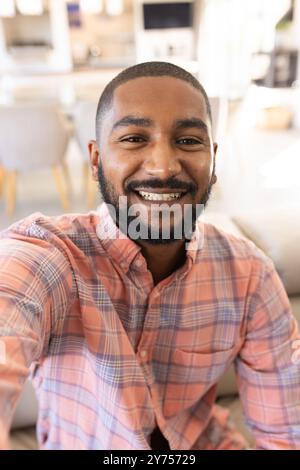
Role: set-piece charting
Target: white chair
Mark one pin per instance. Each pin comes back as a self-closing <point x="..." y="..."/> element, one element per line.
<point x="219" y="111"/>
<point x="84" y="116"/>
<point x="33" y="138"/>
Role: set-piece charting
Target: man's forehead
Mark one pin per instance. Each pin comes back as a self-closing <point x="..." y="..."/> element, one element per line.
<point x="151" y="85"/>
<point x="146" y="94"/>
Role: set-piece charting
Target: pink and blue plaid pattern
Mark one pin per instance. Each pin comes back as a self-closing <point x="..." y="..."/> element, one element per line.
<point x="112" y="355"/>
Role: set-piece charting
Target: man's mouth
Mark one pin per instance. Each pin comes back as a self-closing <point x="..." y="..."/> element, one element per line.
<point x="159" y="196"/>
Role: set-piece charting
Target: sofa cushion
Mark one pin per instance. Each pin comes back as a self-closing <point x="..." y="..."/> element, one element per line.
<point x="24" y="439"/>
<point x="277" y="233"/>
<point x="27" y="408"/>
<point x="222" y="221"/>
<point x="295" y="304"/>
<point x="227" y="384"/>
<point x="236" y="412"/>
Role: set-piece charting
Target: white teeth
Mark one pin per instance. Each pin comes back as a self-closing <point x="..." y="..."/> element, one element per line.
<point x="159" y="196"/>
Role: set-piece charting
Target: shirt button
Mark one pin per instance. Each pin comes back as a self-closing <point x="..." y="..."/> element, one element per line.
<point x="143" y="353"/>
<point x="296" y="357"/>
<point x="296" y="354"/>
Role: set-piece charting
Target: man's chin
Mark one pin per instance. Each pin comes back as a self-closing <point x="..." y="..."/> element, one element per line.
<point x="159" y="235"/>
<point x="156" y="241"/>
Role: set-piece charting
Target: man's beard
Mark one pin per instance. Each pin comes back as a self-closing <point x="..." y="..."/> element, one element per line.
<point x="111" y="198"/>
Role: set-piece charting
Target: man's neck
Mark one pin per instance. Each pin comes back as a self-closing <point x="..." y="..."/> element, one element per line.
<point x="163" y="260"/>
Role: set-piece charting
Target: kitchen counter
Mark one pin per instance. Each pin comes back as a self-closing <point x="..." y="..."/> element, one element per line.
<point x="62" y="88"/>
<point x="83" y="83"/>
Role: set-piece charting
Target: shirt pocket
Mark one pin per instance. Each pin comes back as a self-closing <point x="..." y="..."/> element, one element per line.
<point x="205" y="365"/>
<point x="192" y="375"/>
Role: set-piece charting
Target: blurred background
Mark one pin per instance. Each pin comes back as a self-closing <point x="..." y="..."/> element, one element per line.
<point x="56" y="56"/>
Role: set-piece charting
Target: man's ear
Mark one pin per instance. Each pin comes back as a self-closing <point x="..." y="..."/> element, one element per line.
<point x="94" y="158"/>
<point x="214" y="178"/>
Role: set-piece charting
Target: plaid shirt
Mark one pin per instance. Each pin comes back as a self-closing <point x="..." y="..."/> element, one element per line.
<point x="112" y="355"/>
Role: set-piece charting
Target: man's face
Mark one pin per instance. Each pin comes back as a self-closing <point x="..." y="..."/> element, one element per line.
<point x="156" y="148"/>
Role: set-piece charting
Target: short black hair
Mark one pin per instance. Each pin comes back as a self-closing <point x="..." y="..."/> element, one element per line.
<point x="146" y="69"/>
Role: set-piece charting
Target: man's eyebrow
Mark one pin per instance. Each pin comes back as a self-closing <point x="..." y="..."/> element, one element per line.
<point x="191" y="122"/>
<point x="133" y="121"/>
<point x="147" y="122"/>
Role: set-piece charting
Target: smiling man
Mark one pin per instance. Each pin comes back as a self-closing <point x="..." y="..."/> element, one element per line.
<point x="127" y="317"/>
<point x="154" y="147"/>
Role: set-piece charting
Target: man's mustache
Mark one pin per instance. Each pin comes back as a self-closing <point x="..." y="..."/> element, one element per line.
<point x="155" y="183"/>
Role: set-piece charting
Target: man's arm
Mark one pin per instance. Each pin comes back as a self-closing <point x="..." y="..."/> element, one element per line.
<point x="268" y="366"/>
<point x="35" y="282"/>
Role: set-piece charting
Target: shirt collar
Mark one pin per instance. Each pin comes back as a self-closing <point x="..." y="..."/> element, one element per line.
<point x="196" y="244"/>
<point x="123" y="250"/>
<point x="115" y="242"/>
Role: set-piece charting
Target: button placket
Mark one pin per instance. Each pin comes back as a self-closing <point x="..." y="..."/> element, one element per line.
<point x="143" y="354"/>
<point x="296" y="354"/>
<point x="138" y="263"/>
<point x="149" y="334"/>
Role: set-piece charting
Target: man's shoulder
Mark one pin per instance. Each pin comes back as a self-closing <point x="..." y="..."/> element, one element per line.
<point x="39" y="232"/>
<point x="39" y="225"/>
<point x="224" y="243"/>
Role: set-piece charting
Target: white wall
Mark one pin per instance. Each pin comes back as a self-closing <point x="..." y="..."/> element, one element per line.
<point x="228" y="35"/>
<point x="58" y="59"/>
<point x="61" y="58"/>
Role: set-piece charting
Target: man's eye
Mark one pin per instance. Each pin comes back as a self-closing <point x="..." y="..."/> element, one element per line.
<point x="188" y="141"/>
<point x="133" y="139"/>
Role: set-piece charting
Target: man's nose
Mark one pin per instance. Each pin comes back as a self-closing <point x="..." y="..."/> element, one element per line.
<point x="162" y="161"/>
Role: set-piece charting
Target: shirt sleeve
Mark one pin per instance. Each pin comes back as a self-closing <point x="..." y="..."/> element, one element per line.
<point x="35" y="281"/>
<point x="268" y="365"/>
